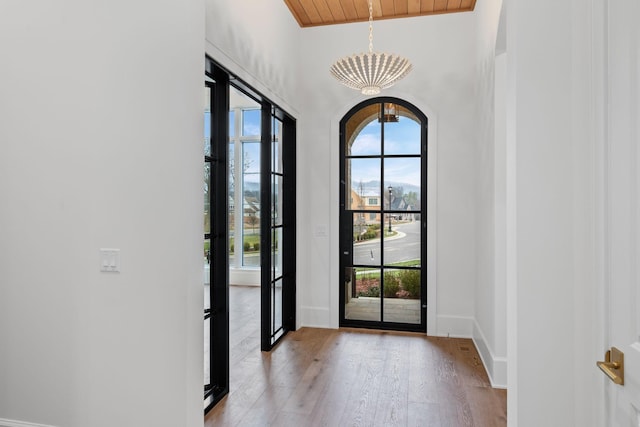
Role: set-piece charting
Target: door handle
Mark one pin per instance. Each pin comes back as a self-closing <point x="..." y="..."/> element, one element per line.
<point x="613" y="365"/>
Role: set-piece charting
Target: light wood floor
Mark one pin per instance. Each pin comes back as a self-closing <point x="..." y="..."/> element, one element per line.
<point x="352" y="377"/>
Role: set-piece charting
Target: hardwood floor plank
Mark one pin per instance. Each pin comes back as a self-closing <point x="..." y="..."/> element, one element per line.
<point x="353" y="377"/>
<point x="360" y="409"/>
<point x="290" y="419"/>
<point x="267" y="408"/>
<point x="312" y="384"/>
<point x="423" y="415"/>
<point x="392" y="406"/>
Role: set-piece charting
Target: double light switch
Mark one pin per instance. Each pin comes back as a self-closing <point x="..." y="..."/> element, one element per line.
<point x="110" y="260"/>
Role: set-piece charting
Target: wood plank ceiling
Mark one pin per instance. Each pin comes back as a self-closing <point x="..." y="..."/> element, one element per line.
<point x="310" y="13"/>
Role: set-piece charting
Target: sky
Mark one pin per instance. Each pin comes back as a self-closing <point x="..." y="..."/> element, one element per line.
<point x="402" y="137"/>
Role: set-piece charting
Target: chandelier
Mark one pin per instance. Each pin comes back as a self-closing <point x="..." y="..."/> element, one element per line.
<point x="372" y="71"/>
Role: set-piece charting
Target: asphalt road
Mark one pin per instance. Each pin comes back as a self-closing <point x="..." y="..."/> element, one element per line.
<point x="403" y="247"/>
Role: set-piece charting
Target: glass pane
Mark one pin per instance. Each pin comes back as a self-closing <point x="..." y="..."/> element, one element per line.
<point x="402" y="183"/>
<point x="232" y="203"/>
<point x="276" y="146"/>
<point x="251" y="122"/>
<point x="251" y="204"/>
<point x="362" y="289"/>
<point x="207" y="203"/>
<point x="401" y="131"/>
<point x="276" y="304"/>
<point x="232" y="124"/>
<point x="402" y="240"/>
<point x="401" y="290"/>
<point x="276" y="200"/>
<point x="363" y="182"/>
<point x="362" y="132"/>
<point x="239" y="123"/>
<point x="251" y="237"/>
<point x="207" y="349"/>
<point x="206" y="274"/>
<point x="207" y="121"/>
<point x="251" y="161"/>
<point x="366" y="238"/>
<point x="276" y="251"/>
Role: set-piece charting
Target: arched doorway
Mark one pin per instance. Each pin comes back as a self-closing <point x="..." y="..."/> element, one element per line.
<point x="383" y="205"/>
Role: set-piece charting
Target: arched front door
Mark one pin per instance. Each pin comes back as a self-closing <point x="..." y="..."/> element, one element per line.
<point x="383" y="205"/>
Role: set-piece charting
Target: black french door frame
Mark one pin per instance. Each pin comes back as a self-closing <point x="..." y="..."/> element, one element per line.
<point x="218" y="314"/>
<point x="271" y="331"/>
<point x="219" y="238"/>
<point x="346" y="221"/>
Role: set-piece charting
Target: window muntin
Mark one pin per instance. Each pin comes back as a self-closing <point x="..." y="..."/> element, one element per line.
<point x="383" y="171"/>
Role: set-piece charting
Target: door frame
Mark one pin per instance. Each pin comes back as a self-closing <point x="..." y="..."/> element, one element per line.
<point x="269" y="337"/>
<point x="343" y="213"/>
<point x="617" y="87"/>
<point x="219" y="238"/>
<point x="219" y="234"/>
<point x="435" y="325"/>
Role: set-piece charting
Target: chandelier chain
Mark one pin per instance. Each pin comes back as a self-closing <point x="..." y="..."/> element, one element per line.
<point x="373" y="71"/>
<point x="370" y="26"/>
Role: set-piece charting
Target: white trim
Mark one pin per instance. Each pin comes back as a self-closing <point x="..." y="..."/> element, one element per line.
<point x="14" y="423"/>
<point x="432" y="198"/>
<point x="236" y="68"/>
<point x="455" y="326"/>
<point x="244" y="276"/>
<point x="495" y="366"/>
<point x="511" y="217"/>
<point x="316" y="317"/>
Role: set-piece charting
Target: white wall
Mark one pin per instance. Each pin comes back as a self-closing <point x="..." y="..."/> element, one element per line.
<point x="290" y="65"/>
<point x="259" y="41"/>
<point x="442" y="50"/>
<point x="101" y="108"/>
<point x="489" y="331"/>
<point x="552" y="293"/>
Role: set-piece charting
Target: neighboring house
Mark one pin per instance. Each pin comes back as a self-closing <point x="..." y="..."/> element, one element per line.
<point x="401" y="204"/>
<point x="368" y="201"/>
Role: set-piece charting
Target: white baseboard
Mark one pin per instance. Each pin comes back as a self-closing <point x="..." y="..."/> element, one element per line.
<point x="315" y="317"/>
<point x="14" y="423"/>
<point x="244" y="277"/>
<point x="495" y="366"/>
<point x="455" y="326"/>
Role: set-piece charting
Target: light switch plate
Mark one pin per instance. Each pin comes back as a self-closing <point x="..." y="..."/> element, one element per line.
<point x="110" y="260"/>
<point x="321" y="230"/>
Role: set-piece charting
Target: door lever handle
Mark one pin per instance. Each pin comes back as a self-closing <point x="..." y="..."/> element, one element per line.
<point x="613" y="365"/>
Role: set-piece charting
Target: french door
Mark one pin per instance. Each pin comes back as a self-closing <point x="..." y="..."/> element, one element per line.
<point x="277" y="255"/>
<point x="383" y="146"/>
<point x="262" y="191"/>
<point x="216" y="270"/>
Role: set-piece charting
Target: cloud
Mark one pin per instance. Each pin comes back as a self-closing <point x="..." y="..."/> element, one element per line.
<point x="366" y="143"/>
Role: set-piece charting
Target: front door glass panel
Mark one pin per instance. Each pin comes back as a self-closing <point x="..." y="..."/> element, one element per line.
<point x="382" y="216"/>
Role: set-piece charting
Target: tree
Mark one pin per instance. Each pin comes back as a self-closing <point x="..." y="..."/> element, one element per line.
<point x="413" y="200"/>
<point x="253" y="221"/>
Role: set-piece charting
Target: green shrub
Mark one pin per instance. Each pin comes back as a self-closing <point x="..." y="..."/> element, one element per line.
<point x="370" y="234"/>
<point x="246" y="246"/>
<point x="256" y="246"/>
<point x="373" y="291"/>
<point x="411" y="282"/>
<point x="391" y="285"/>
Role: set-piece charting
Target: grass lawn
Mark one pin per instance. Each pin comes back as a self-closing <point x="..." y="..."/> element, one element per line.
<point x="251" y="239"/>
<point x="374" y="273"/>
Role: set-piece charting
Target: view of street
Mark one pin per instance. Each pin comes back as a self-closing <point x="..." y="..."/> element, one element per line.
<point x="404" y="246"/>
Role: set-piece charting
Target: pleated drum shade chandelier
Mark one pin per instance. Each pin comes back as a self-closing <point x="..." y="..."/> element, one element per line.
<point x="372" y="71"/>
